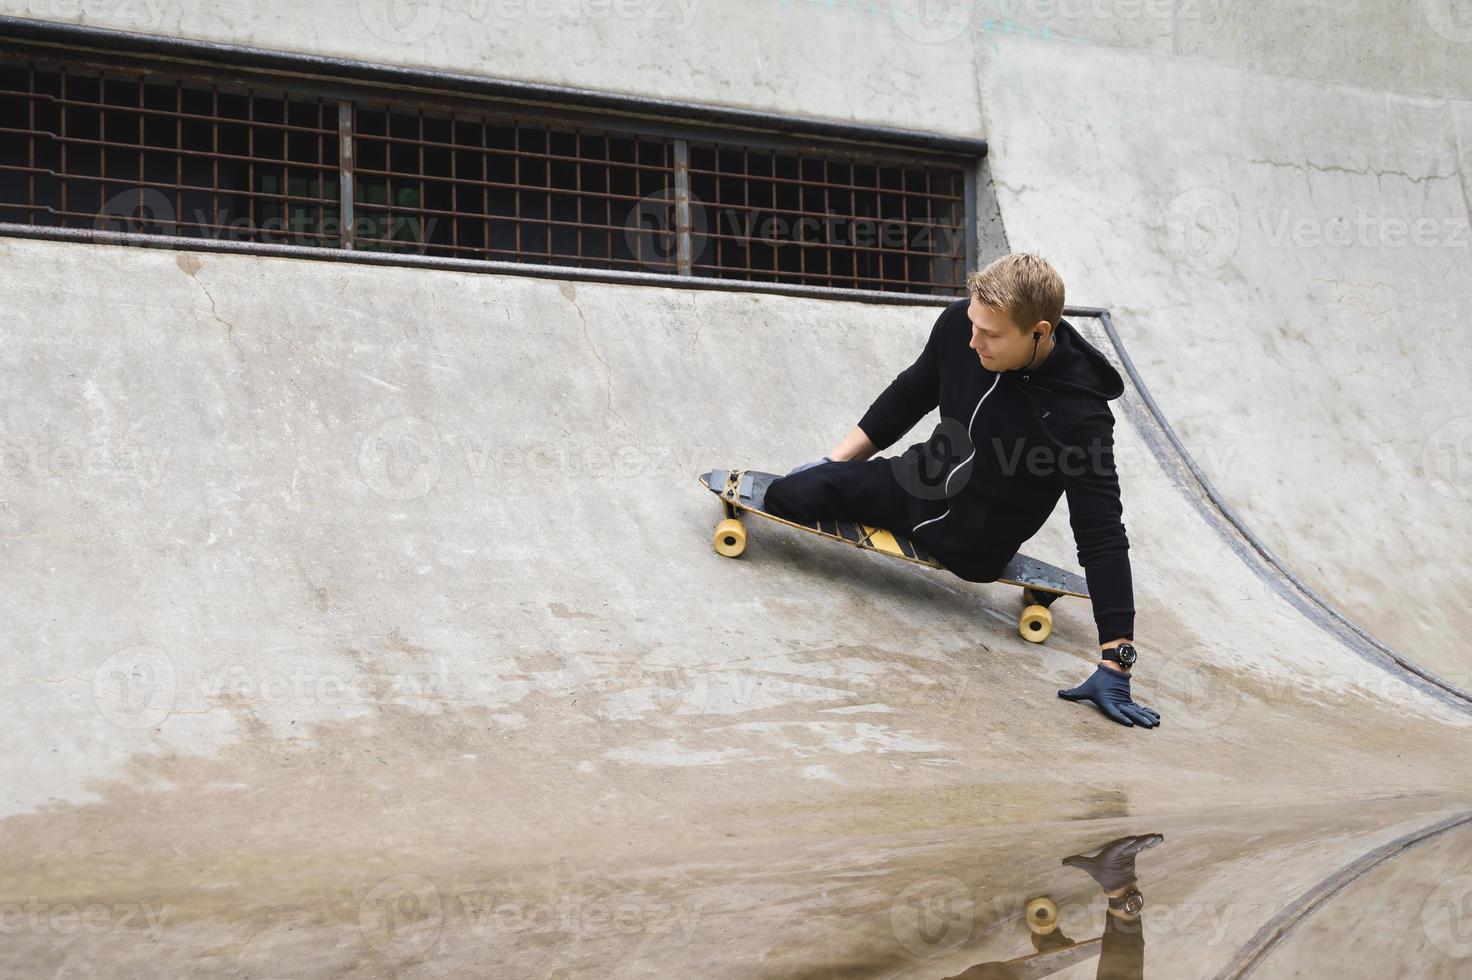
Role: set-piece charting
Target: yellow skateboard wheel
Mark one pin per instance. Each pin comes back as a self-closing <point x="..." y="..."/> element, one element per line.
<point x="1036" y="623"/>
<point x="1042" y="915"/>
<point x="730" y="538"/>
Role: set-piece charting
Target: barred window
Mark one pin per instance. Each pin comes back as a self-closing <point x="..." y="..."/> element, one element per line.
<point x="96" y="150"/>
<point x="827" y="221"/>
<point x="482" y="187"/>
<point x="138" y="148"/>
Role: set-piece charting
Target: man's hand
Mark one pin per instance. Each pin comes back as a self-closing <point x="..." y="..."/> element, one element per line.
<point x="1109" y="689"/>
<point x="808" y="466"/>
<point x="1113" y="865"/>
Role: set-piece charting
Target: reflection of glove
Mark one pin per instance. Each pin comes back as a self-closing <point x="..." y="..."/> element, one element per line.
<point x="1114" y="866"/>
<point x="1110" y="691"/>
<point x="808" y="466"/>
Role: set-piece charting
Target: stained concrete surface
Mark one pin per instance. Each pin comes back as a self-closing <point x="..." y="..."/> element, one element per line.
<point x="331" y="583"/>
<point x="326" y="653"/>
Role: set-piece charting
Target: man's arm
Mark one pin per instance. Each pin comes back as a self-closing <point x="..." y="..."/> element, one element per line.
<point x="1095" y="513"/>
<point x="914" y="392"/>
<point x="856" y="446"/>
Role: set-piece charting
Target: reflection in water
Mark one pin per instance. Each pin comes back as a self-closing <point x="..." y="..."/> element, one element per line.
<point x="1121" y="949"/>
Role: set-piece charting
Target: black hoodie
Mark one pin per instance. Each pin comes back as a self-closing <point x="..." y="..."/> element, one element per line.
<point x="1008" y="446"/>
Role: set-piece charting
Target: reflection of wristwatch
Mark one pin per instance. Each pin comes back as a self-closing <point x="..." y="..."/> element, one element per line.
<point x="1124" y="654"/>
<point x="1130" y="903"/>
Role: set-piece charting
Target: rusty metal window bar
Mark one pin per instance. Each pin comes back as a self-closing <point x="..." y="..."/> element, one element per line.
<point x="469" y="185"/>
<point x="135" y="152"/>
<point x="817" y="219"/>
<point x="128" y="149"/>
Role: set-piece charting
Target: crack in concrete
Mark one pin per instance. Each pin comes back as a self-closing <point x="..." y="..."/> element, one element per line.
<point x="191" y="269"/>
<point x="1460" y="151"/>
<point x="1365" y="172"/>
<point x="699" y="324"/>
<point x="570" y="293"/>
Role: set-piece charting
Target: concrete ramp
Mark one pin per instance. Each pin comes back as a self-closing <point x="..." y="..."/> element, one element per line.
<point x="1282" y="231"/>
<point x="365" y="620"/>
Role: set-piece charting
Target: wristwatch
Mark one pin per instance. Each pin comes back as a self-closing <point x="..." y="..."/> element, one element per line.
<point x="1130" y="903"/>
<point x="1124" y="654"/>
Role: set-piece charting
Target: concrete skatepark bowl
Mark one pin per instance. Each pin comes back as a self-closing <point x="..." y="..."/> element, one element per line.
<point x="362" y="619"/>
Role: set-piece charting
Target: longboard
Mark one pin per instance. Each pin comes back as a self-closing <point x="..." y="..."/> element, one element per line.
<point x="745" y="491"/>
<point x="1054" y="951"/>
<point x="1036" y="966"/>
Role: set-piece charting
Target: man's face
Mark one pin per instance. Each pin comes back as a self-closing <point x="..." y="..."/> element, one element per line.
<point x="999" y="342"/>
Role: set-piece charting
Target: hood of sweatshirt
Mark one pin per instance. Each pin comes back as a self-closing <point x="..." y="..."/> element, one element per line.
<point x="1075" y="383"/>
<point x="1075" y="367"/>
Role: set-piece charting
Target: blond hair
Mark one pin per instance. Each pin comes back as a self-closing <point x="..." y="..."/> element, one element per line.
<point x="1023" y="285"/>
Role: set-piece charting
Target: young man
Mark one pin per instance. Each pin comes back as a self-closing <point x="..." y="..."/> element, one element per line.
<point x="1025" y="420"/>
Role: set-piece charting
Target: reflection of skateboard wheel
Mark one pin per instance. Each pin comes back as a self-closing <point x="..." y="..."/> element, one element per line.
<point x="1042" y="915"/>
<point x="730" y="539"/>
<point x="1036" y="623"/>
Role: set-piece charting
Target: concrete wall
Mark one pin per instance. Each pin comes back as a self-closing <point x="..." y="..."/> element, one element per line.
<point x="1291" y="265"/>
<point x="324" y="582"/>
<point x="1243" y="185"/>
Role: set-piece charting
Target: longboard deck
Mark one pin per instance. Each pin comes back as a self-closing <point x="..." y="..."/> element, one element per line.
<point x="746" y="491"/>
<point x="1035" y="966"/>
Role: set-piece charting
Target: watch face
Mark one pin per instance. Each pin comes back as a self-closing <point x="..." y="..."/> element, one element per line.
<point x="1126" y="654"/>
<point x="1134" y="902"/>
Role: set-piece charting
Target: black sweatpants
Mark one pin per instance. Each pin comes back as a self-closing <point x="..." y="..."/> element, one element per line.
<point x="869" y="493"/>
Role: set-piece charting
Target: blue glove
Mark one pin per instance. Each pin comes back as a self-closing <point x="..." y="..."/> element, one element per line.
<point x="1110" y="691"/>
<point x="808" y="466"/>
